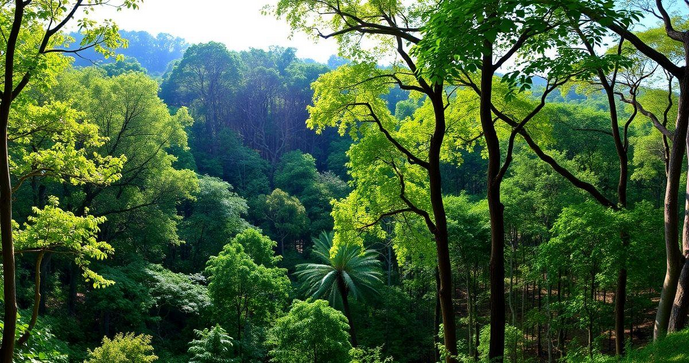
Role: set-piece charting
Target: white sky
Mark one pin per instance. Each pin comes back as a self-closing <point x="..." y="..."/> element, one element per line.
<point x="237" y="23"/>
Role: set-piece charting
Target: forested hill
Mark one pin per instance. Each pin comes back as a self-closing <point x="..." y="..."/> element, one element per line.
<point x="153" y="53"/>
<point x="507" y="186"/>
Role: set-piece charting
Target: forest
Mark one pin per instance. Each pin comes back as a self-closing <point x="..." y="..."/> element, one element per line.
<point x="466" y="181"/>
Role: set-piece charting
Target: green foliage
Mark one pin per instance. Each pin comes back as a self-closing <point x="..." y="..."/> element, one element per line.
<point x="241" y="166"/>
<point x="513" y="339"/>
<point x="310" y="332"/>
<point x="215" y="214"/>
<point x="211" y="346"/>
<point x="297" y="175"/>
<point x="258" y="247"/>
<point x="124" y="348"/>
<point x="285" y="218"/>
<point x="56" y="142"/>
<point x="359" y="270"/>
<point x="53" y="229"/>
<point x="296" y="172"/>
<point x="178" y="291"/>
<point x="202" y="80"/>
<point x="123" y="66"/>
<point x="136" y="123"/>
<point x="396" y="319"/>
<point x="368" y="355"/>
<point x="127" y="302"/>
<point x="245" y="295"/>
<point x="42" y="347"/>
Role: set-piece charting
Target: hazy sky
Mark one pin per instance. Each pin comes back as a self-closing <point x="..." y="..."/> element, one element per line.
<point x="237" y="23"/>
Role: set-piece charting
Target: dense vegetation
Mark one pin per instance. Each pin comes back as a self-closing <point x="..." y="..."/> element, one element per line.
<point x="469" y="180"/>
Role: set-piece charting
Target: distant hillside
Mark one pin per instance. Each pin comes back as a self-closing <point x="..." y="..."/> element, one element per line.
<point x="153" y="53"/>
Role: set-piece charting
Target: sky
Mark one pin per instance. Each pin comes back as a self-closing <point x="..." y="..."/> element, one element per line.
<point x="237" y="23"/>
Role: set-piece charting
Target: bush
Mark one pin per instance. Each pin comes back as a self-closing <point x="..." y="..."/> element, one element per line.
<point x="212" y="346"/>
<point x="128" y="348"/>
<point x="312" y="332"/>
<point x="368" y="355"/>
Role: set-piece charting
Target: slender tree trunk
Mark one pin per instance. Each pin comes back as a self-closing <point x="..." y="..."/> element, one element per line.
<point x="8" y="263"/>
<point x="680" y="307"/>
<point x="470" y="312"/>
<point x="437" y="318"/>
<point x="345" y="304"/>
<point x="441" y="233"/>
<point x="539" y="347"/>
<point x="673" y="255"/>
<point x="496" y="208"/>
<point x="36" y="303"/>
<point x="45" y="271"/>
<point x="678" y="316"/>
<point x="548" y="333"/>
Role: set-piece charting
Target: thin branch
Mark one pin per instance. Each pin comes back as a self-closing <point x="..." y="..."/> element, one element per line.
<point x="410" y="156"/>
<point x="385" y="215"/>
<point x="648" y="114"/>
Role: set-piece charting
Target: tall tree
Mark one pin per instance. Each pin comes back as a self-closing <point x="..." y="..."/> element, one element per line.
<point x="204" y="80"/>
<point x="32" y="33"/>
<point x="604" y="13"/>
<point x="397" y="26"/>
<point x="467" y="43"/>
<point x="244" y="292"/>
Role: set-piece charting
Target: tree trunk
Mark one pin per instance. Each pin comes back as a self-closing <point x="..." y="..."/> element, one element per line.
<point x="45" y="270"/>
<point x="673" y="255"/>
<point x="36" y="303"/>
<point x="441" y="233"/>
<point x="437" y="316"/>
<point x="8" y="263"/>
<point x="496" y="208"/>
<point x="678" y="316"/>
<point x="345" y="304"/>
<point x="470" y="312"/>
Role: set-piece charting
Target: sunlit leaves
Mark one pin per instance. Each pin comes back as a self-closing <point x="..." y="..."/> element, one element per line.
<point x="53" y="229"/>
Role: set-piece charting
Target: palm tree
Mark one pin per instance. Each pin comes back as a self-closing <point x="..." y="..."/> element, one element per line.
<point x="349" y="270"/>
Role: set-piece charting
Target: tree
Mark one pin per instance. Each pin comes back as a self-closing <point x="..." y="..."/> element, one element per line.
<point x="52" y="230"/>
<point x="586" y="243"/>
<point x="244" y="293"/>
<point x="297" y="175"/>
<point x="127" y="304"/>
<point x="212" y="217"/>
<point x="467" y="43"/>
<point x="204" y="80"/>
<point x="137" y="125"/>
<point x="259" y="247"/>
<point x="604" y="13"/>
<point x="349" y="99"/>
<point x="33" y="33"/>
<point x="345" y="270"/>
<point x="310" y="332"/>
<point x="212" y="346"/>
<point x="124" y="348"/>
<point x="284" y="215"/>
<point x="368" y="355"/>
<point x="177" y="292"/>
